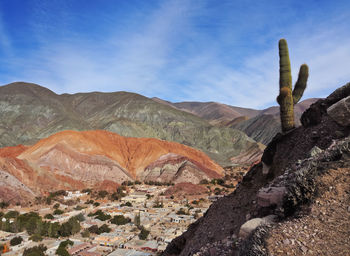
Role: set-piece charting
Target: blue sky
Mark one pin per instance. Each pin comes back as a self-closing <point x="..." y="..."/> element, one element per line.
<point x="178" y="50"/>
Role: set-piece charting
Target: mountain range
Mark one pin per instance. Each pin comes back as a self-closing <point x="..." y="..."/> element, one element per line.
<point x="29" y="112"/>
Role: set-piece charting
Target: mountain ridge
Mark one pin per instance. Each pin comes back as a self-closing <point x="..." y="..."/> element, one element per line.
<point x="29" y="112"/>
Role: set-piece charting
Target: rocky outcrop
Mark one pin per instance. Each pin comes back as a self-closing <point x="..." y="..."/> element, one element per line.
<point x="12" y="190"/>
<point x="248" y="227"/>
<point x="290" y="183"/>
<point x="340" y="112"/>
<point x="249" y="157"/>
<point x="176" y="168"/>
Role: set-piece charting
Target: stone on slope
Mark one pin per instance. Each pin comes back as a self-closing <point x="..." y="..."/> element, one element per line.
<point x="340" y="112"/>
<point x="249" y="226"/>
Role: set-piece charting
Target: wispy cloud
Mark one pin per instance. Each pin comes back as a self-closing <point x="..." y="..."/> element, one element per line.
<point x="5" y="43"/>
<point x="181" y="50"/>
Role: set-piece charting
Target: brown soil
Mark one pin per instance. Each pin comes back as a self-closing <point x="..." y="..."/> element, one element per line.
<point x="185" y="189"/>
<point x="326" y="228"/>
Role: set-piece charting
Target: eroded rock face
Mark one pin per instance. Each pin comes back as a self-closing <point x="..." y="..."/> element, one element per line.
<point x="76" y="160"/>
<point x="176" y="168"/>
<point x="83" y="167"/>
<point x="12" y="190"/>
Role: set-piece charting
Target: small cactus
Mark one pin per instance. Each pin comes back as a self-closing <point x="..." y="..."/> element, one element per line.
<point x="287" y="99"/>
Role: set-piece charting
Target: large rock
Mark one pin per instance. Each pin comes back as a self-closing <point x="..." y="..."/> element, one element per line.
<point x="271" y="196"/>
<point x="340" y="111"/>
<point x="247" y="228"/>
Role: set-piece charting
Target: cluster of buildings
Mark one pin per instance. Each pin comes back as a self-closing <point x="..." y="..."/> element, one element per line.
<point x="156" y="213"/>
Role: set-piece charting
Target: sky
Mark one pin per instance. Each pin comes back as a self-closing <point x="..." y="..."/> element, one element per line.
<point x="178" y="50"/>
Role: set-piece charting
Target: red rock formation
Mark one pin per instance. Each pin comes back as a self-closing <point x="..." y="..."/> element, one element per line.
<point x="75" y="160"/>
<point x="132" y="154"/>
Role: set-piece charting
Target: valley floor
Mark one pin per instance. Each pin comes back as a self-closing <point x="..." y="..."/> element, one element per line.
<point x="165" y="218"/>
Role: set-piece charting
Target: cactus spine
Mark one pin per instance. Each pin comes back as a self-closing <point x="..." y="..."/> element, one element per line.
<point x="287" y="99"/>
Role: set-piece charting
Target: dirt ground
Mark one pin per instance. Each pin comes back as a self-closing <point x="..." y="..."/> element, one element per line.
<point x="325" y="230"/>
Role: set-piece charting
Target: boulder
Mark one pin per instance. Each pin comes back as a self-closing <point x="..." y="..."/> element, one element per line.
<point x="249" y="226"/>
<point x="340" y="112"/>
<point x="271" y="196"/>
<point x="315" y="151"/>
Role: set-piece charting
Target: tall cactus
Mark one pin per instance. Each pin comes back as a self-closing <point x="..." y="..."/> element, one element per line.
<point x="287" y="99"/>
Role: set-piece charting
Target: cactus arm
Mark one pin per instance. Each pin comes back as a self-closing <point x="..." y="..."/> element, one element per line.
<point x="300" y="85"/>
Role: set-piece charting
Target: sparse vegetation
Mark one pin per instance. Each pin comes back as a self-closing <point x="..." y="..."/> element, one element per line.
<point x="120" y="220"/>
<point x="126" y="204"/>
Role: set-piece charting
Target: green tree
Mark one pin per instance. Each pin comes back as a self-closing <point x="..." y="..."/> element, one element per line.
<point x="93" y="229"/>
<point x="62" y="248"/>
<point x="58" y="212"/>
<point x="143" y="233"/>
<point x="53" y="230"/>
<point x="49" y="216"/>
<point x="11" y="215"/>
<point x="104" y="229"/>
<point x="85" y="233"/>
<point x="16" y="240"/>
<point x="120" y="220"/>
<point x="35" y="251"/>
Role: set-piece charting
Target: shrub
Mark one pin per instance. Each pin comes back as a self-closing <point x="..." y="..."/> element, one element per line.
<point x="11" y="214"/>
<point x="58" y="212"/>
<point x="36" y="238"/>
<point x="49" y="216"/>
<point x="120" y="220"/>
<point x="102" y="194"/>
<point x="126" y="204"/>
<point x="3" y="204"/>
<point x="143" y="233"/>
<point x="85" y="233"/>
<point x="16" y="240"/>
<point x="35" y="251"/>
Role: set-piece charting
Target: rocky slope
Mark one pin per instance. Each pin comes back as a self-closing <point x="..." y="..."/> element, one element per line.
<point x="74" y="160"/>
<point x="29" y="112"/>
<point x="214" y="112"/>
<point x="292" y="180"/>
<point x="261" y="125"/>
<point x="267" y="124"/>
